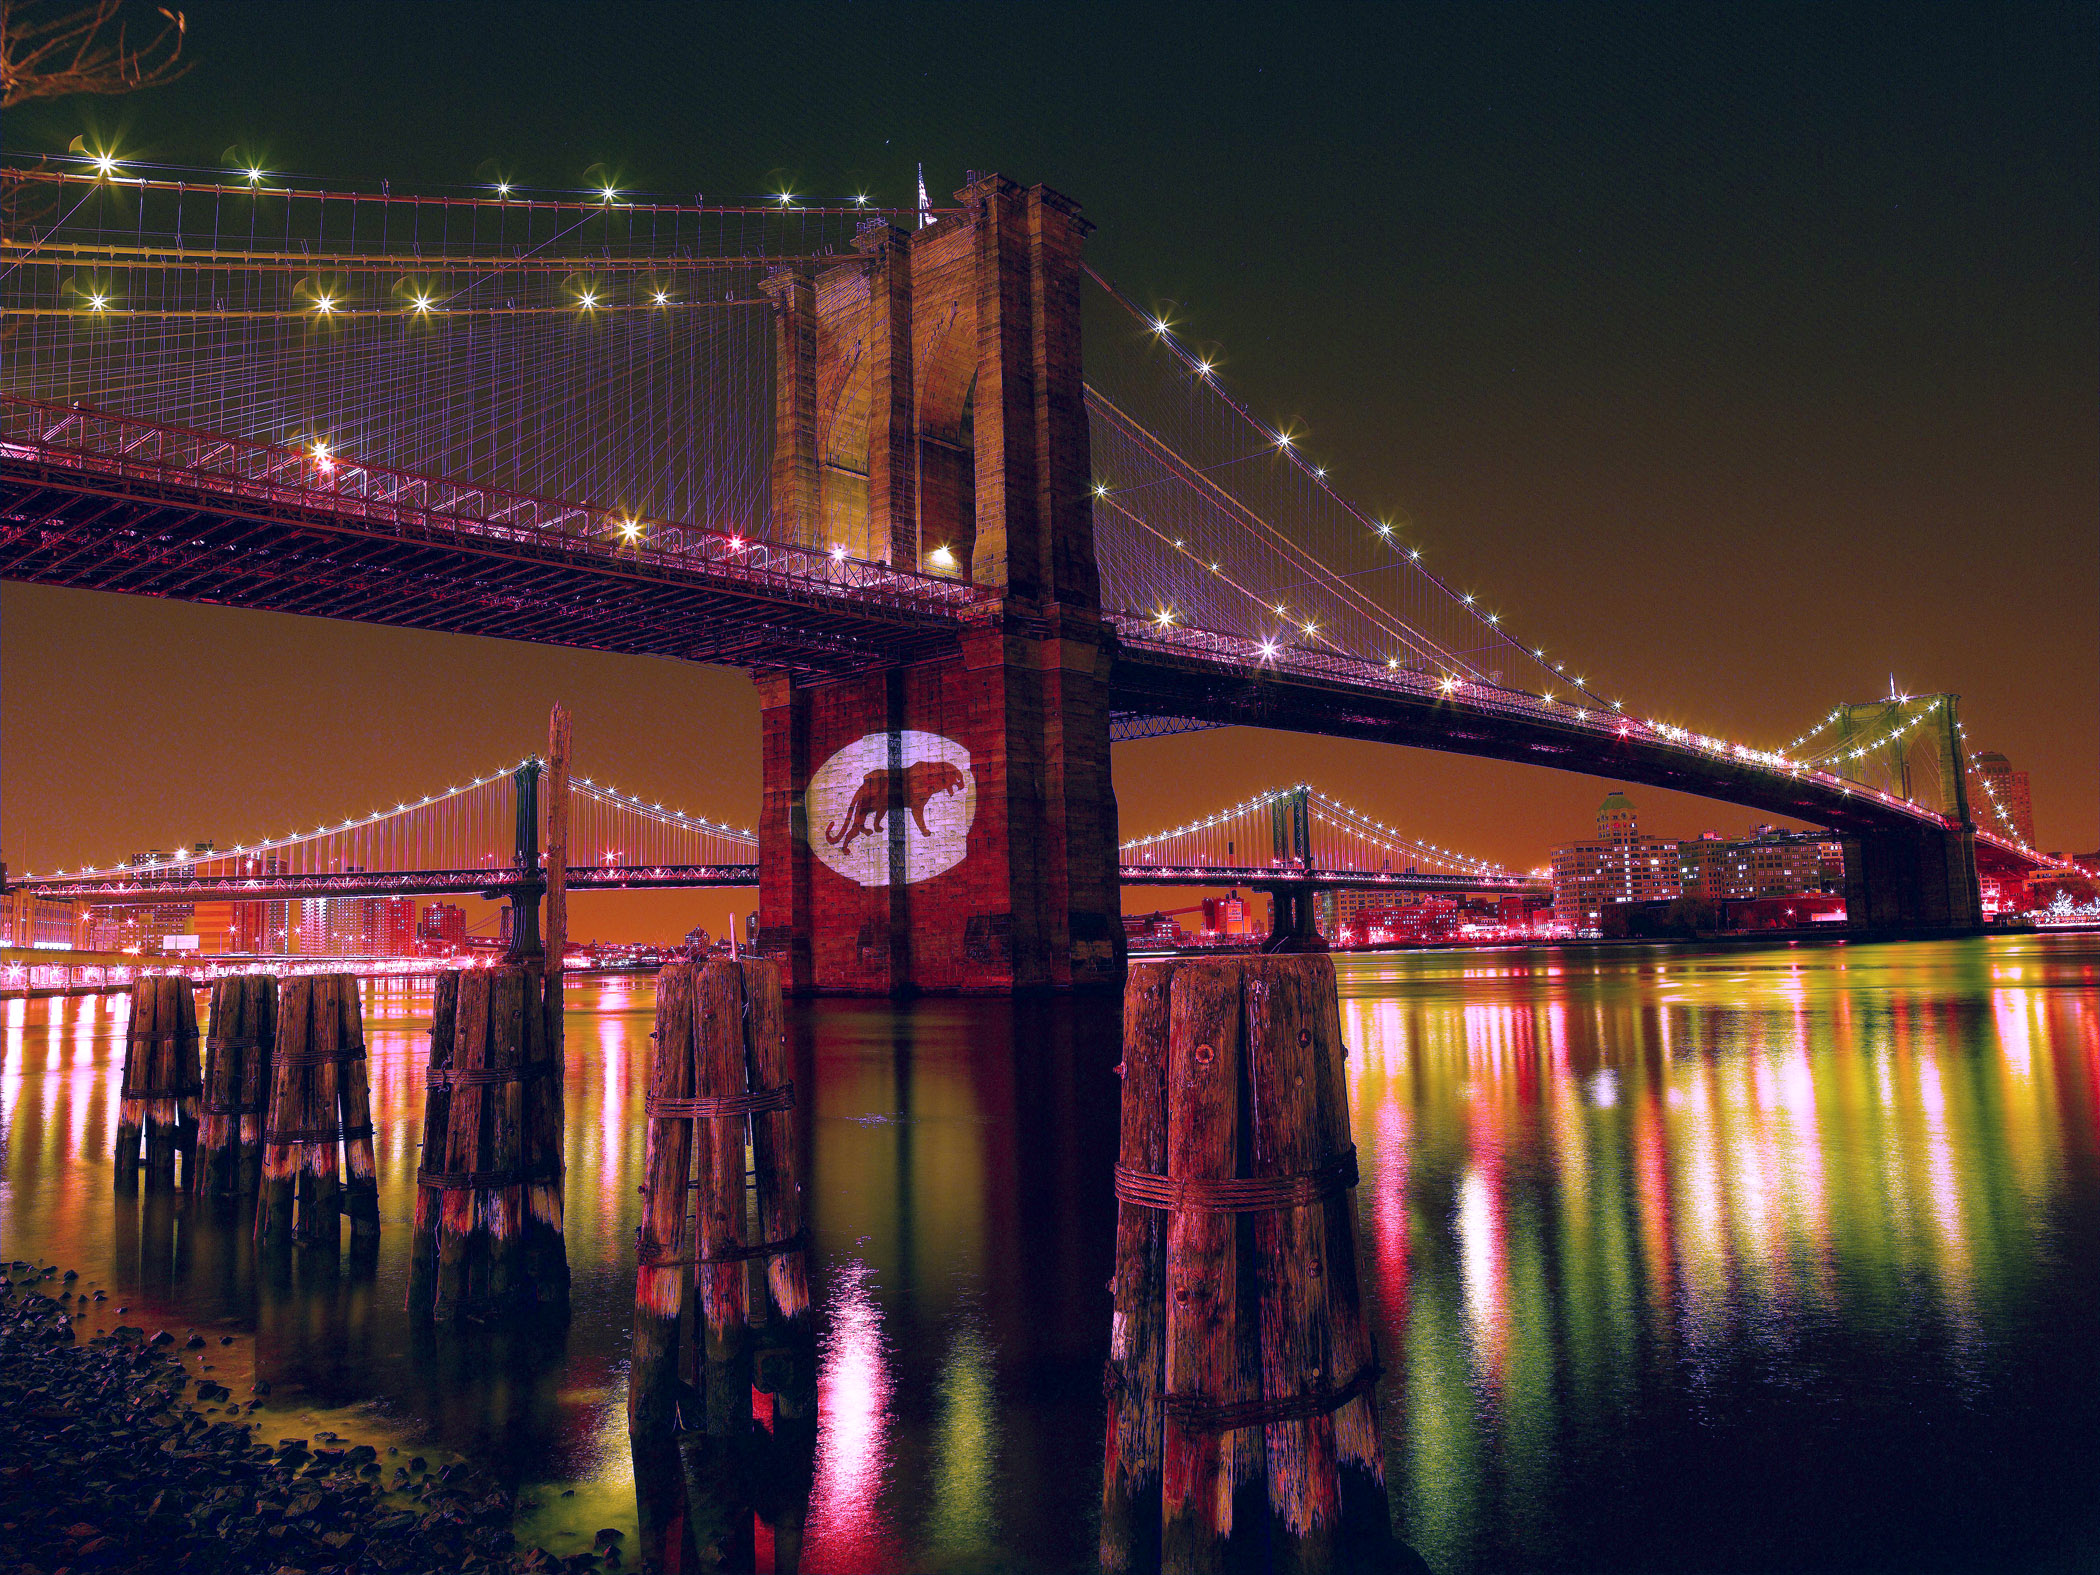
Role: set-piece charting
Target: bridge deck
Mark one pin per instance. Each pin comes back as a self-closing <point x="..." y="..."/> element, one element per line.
<point x="95" y="501"/>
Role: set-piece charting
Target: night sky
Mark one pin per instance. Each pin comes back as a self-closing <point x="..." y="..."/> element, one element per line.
<point x="1748" y="354"/>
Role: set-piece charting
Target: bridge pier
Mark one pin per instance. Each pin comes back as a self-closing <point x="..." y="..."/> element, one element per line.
<point x="948" y="823"/>
<point x="1294" y="921"/>
<point x="1912" y="881"/>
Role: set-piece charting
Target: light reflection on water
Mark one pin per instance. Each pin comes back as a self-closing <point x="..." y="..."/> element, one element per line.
<point x="1670" y="1252"/>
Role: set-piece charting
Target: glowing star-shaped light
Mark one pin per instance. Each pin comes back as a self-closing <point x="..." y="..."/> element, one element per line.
<point x="661" y="298"/>
<point x="942" y="556"/>
<point x="588" y="300"/>
<point x="97" y="303"/>
<point x="254" y="176"/>
<point x="324" y="304"/>
<point x="422" y="303"/>
<point x="105" y="165"/>
<point x="503" y="188"/>
<point x="1268" y="650"/>
<point x="630" y="530"/>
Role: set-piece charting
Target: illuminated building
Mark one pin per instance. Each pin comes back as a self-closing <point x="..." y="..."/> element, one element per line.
<point x="1767" y="863"/>
<point x="2008" y="806"/>
<point x="393" y="926"/>
<point x="442" y="930"/>
<point x="38" y="923"/>
<point x="337" y="927"/>
<point x="216" y="926"/>
<point x="1387" y="923"/>
<point x="1619" y="866"/>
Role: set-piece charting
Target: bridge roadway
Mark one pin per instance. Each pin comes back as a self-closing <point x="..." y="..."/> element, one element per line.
<point x="96" y="501"/>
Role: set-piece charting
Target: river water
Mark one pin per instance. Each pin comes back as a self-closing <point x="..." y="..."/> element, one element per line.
<point x="1679" y="1258"/>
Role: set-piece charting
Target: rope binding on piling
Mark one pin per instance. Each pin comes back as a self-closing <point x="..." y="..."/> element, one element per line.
<point x="1237" y="1194"/>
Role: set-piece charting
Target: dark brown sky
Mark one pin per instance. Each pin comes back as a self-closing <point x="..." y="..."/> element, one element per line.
<point x="1749" y="353"/>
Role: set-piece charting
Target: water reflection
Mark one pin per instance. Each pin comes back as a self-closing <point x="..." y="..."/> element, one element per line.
<point x="1668" y="1252"/>
<point x="1834" y="1181"/>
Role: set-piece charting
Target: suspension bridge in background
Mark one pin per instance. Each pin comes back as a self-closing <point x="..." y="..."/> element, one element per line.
<point x="479" y="838"/>
<point x="475" y="839"/>
<point x="852" y="450"/>
<point x="1298" y="837"/>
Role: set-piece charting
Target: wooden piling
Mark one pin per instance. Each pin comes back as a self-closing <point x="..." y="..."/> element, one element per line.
<point x="354" y="1093"/>
<point x="660" y="1268"/>
<point x="236" y="1079"/>
<point x="546" y="1250"/>
<point x="487" y="1146"/>
<point x="157" y="1109"/>
<point x="131" y="1106"/>
<point x="320" y="1101"/>
<point x="1130" y="1495"/>
<point x="724" y="1270"/>
<point x="1244" y="1353"/>
<point x="546" y="1247"/>
<point x="777" y="1164"/>
<point x="718" y="1083"/>
<point x="256" y="1081"/>
<point x="437" y="1124"/>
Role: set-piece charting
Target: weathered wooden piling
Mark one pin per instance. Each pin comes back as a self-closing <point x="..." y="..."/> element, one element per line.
<point x="718" y="1082"/>
<point x="491" y="1144"/>
<point x="1242" y="1422"/>
<point x="158" y="1104"/>
<point x="237" y="1054"/>
<point x="320" y="1105"/>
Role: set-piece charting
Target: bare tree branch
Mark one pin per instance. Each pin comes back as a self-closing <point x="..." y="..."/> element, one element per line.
<point x="49" y="51"/>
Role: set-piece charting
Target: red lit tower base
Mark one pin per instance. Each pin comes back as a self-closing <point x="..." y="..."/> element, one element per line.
<point x="949" y="824"/>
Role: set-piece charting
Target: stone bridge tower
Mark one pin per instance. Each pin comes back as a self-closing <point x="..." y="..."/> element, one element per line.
<point x="947" y="824"/>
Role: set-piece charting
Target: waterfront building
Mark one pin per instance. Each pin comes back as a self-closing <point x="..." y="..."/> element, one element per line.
<point x="216" y="926"/>
<point x="1618" y="866"/>
<point x="442" y="930"/>
<point x="1401" y="924"/>
<point x="1767" y="863"/>
<point x="393" y="926"/>
<point x="337" y="927"/>
<point x="39" y="923"/>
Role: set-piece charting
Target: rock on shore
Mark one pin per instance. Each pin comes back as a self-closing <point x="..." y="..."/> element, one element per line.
<point x="106" y="1465"/>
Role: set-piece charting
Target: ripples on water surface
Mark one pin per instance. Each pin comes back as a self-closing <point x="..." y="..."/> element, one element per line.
<point x="1681" y="1259"/>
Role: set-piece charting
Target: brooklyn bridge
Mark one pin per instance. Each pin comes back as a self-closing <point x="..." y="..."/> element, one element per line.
<point x="965" y="512"/>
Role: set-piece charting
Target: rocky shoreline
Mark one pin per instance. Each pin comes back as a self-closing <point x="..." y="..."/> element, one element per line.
<point x="113" y="1460"/>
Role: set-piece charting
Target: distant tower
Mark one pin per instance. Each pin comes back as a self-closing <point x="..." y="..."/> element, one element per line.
<point x="2008" y="806"/>
<point x="925" y="206"/>
<point x="1615" y="822"/>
